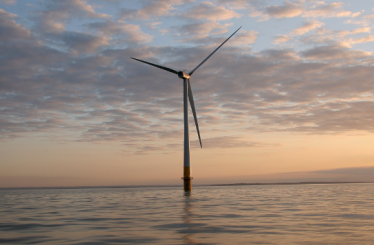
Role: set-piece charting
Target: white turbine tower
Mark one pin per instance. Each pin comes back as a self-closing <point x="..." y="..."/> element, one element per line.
<point x="187" y="93"/>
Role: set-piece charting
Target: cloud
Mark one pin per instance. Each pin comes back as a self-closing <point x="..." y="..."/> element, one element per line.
<point x="325" y="10"/>
<point x="224" y="142"/>
<point x="287" y="10"/>
<point x="306" y="9"/>
<point x="240" y="4"/>
<point x="361" y="30"/>
<point x="354" y="15"/>
<point x="334" y="52"/>
<point x="366" y="39"/>
<point x="245" y="38"/>
<point x="108" y="97"/>
<point x="330" y="118"/>
<point x="120" y="31"/>
<point x="158" y="8"/>
<point x="81" y="42"/>
<point x="324" y="36"/>
<point x="210" y="12"/>
<point x="280" y="55"/>
<point x="281" y="39"/>
<point x="152" y="9"/>
<point x="203" y="33"/>
<point x="153" y="25"/>
<point x="56" y="14"/>
<point x="8" y="2"/>
<point x="83" y="87"/>
<point x="200" y="30"/>
<point x="368" y="17"/>
<point x="126" y="13"/>
<point x="206" y="34"/>
<point x="308" y="26"/>
<point x="10" y="30"/>
<point x="51" y="19"/>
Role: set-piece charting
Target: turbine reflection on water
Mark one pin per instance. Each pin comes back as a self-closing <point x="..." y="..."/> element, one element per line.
<point x="187" y="218"/>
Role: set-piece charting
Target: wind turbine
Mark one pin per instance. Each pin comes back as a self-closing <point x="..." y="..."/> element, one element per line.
<point x="187" y="93"/>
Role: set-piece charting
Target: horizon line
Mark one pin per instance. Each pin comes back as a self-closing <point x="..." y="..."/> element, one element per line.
<point x="154" y="186"/>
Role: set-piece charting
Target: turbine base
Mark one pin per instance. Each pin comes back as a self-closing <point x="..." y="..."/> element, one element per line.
<point x="187" y="183"/>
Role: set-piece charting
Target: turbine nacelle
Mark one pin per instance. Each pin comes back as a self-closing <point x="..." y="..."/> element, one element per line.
<point x="183" y="75"/>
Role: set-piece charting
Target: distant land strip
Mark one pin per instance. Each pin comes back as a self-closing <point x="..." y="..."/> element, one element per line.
<point x="295" y="183"/>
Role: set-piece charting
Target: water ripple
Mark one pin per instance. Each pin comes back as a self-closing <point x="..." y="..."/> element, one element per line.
<point x="292" y="215"/>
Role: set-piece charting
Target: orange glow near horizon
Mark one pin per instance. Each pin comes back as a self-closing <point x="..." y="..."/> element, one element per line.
<point x="80" y="164"/>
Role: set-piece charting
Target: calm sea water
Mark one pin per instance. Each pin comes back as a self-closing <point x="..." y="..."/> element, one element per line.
<point x="276" y="214"/>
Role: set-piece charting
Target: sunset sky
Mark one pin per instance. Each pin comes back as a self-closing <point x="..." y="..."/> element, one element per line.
<point x="289" y="98"/>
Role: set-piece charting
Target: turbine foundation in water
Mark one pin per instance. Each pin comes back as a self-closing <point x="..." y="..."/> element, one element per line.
<point x="187" y="183"/>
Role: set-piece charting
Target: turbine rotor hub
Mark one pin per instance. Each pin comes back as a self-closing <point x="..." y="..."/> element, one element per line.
<point x="183" y="75"/>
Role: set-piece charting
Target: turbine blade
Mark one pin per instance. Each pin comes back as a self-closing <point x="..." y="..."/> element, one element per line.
<point x="213" y="52"/>
<point x="192" y="103"/>
<point x="158" y="66"/>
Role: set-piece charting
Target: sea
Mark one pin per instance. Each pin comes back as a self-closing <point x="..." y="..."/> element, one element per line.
<point x="242" y="214"/>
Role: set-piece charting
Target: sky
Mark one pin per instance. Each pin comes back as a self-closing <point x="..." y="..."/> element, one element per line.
<point x="290" y="97"/>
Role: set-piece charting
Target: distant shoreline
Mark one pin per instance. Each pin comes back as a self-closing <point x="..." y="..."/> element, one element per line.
<point x="155" y="186"/>
<point x="295" y="183"/>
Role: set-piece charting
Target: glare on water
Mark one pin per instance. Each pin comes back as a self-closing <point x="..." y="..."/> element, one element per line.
<point x="274" y="214"/>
